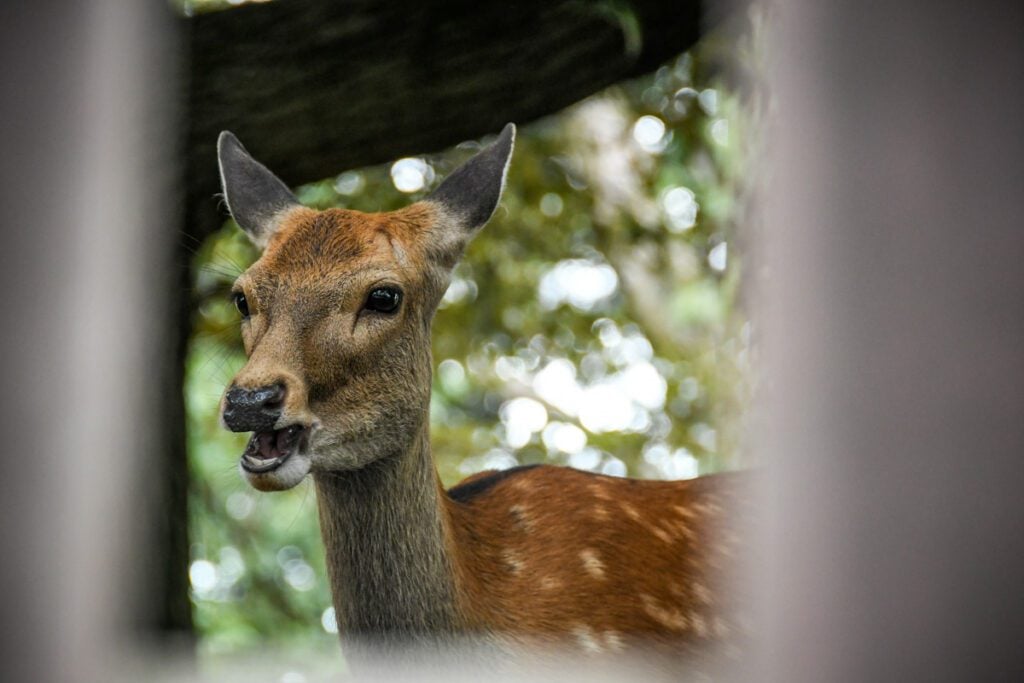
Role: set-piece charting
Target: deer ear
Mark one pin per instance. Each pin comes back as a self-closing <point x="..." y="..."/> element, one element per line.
<point x="471" y="193"/>
<point x="256" y="198"/>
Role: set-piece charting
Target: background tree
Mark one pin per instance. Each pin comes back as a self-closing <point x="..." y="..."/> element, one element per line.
<point x="594" y="322"/>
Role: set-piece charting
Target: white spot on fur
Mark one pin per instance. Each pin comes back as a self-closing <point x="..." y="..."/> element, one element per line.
<point x="613" y="641"/>
<point x="518" y="484"/>
<point x="585" y="637"/>
<point x="707" y="508"/>
<point x="683" y="512"/>
<point x="631" y="511"/>
<point x="601" y="513"/>
<point x="550" y="583"/>
<point x="592" y="563"/>
<point x="673" y="619"/>
<point x="521" y="516"/>
<point x="662" y="534"/>
<point x="701" y="594"/>
<point x="681" y="530"/>
<point x="513" y="561"/>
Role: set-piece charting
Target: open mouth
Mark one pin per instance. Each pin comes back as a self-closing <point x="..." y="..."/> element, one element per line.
<point x="269" y="450"/>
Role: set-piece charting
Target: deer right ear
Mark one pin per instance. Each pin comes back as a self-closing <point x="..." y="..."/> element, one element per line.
<point x="471" y="193"/>
<point x="256" y="198"/>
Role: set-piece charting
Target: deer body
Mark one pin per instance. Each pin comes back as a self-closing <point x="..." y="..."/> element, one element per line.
<point x="336" y="323"/>
<point x="543" y="555"/>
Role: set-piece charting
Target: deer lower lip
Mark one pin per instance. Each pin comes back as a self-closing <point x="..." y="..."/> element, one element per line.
<point x="268" y="450"/>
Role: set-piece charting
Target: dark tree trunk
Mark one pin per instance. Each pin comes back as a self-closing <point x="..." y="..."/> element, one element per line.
<point x="314" y="87"/>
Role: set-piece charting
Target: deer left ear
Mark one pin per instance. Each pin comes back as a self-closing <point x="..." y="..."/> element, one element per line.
<point x="256" y="198"/>
<point x="471" y="193"/>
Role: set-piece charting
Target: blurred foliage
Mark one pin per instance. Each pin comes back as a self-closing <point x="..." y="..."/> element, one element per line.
<point x="594" y="322"/>
<point x="189" y="7"/>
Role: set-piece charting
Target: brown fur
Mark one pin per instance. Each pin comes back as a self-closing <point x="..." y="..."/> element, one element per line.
<point x="546" y="555"/>
<point x="539" y="559"/>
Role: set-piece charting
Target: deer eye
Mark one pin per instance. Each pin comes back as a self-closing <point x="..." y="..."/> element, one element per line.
<point x="241" y="304"/>
<point x="383" y="300"/>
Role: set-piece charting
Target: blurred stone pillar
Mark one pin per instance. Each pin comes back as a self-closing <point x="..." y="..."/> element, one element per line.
<point x="892" y="318"/>
<point x="88" y="170"/>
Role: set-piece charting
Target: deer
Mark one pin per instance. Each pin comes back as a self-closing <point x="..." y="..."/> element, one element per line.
<point x="336" y="323"/>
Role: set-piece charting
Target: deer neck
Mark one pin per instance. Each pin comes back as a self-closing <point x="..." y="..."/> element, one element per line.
<point x="385" y="531"/>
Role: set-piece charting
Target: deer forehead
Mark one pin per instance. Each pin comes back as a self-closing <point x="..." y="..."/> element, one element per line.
<point x="312" y="247"/>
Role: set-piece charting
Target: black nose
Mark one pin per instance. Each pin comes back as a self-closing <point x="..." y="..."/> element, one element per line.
<point x="253" y="410"/>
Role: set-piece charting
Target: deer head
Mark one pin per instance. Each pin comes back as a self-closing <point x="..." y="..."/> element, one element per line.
<point x="336" y="315"/>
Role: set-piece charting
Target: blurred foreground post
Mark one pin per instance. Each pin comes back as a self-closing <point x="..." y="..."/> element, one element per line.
<point x="894" y="330"/>
<point x="892" y="322"/>
<point x="87" y="185"/>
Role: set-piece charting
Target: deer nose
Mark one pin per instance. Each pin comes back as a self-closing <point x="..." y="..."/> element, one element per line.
<point x="253" y="410"/>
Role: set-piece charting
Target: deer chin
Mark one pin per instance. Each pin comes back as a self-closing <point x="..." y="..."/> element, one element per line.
<point x="278" y="459"/>
<point x="337" y="450"/>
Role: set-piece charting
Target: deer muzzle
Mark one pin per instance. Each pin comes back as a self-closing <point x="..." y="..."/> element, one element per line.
<point x="253" y="410"/>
